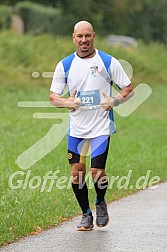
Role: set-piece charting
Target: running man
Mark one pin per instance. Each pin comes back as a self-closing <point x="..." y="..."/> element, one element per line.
<point x="89" y="74"/>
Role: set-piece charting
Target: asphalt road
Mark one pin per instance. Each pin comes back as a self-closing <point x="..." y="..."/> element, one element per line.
<point x="137" y="223"/>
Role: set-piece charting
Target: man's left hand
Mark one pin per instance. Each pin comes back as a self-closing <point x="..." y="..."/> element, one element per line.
<point x="108" y="103"/>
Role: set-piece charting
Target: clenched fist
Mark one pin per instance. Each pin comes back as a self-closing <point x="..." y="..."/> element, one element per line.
<point x="73" y="103"/>
<point x="108" y="103"/>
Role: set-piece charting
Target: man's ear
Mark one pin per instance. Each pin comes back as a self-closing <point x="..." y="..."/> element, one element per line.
<point x="94" y="34"/>
<point x="73" y="37"/>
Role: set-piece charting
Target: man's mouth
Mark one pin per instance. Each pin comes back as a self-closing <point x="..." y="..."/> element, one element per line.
<point x="84" y="47"/>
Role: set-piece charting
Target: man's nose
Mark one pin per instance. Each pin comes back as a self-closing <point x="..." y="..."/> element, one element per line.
<point x="84" y="39"/>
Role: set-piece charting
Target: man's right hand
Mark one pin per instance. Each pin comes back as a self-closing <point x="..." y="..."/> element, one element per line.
<point x="73" y="103"/>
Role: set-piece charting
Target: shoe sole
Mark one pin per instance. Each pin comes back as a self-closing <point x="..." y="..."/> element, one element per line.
<point x="86" y="229"/>
<point x="101" y="225"/>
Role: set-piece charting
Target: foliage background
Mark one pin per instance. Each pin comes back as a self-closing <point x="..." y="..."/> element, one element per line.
<point x="142" y="19"/>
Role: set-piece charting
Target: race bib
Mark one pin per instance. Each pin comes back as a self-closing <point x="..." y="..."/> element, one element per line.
<point x="89" y="99"/>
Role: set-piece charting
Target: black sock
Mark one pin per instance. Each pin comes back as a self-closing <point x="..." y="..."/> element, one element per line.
<point x="100" y="191"/>
<point x="81" y="194"/>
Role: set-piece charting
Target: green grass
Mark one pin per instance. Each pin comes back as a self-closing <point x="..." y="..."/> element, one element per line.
<point x="139" y="145"/>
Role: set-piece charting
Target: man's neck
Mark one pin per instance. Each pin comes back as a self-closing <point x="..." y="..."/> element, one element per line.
<point x="90" y="55"/>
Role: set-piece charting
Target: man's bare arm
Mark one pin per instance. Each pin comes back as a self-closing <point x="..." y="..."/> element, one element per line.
<point x="71" y="102"/>
<point x="125" y="94"/>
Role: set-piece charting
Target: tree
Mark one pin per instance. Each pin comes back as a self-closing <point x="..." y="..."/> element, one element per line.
<point x="143" y="19"/>
<point x="52" y="3"/>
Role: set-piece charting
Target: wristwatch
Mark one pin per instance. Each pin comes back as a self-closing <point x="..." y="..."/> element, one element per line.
<point x="116" y="102"/>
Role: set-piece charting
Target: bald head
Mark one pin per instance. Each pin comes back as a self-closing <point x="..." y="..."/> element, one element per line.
<point x="83" y="37"/>
<point x="83" y="25"/>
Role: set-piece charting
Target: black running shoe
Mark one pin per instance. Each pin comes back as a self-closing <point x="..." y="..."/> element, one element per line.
<point x="102" y="217"/>
<point x="86" y="223"/>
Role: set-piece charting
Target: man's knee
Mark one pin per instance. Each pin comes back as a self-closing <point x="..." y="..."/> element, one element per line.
<point x="78" y="173"/>
<point x="98" y="174"/>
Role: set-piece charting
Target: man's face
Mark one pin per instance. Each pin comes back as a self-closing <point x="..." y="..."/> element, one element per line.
<point x="83" y="38"/>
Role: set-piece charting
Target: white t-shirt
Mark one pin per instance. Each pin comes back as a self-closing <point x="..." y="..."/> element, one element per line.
<point x="89" y="77"/>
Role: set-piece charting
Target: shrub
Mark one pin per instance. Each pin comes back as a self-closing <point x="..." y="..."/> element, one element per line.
<point x="5" y="17"/>
<point x="39" y="19"/>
